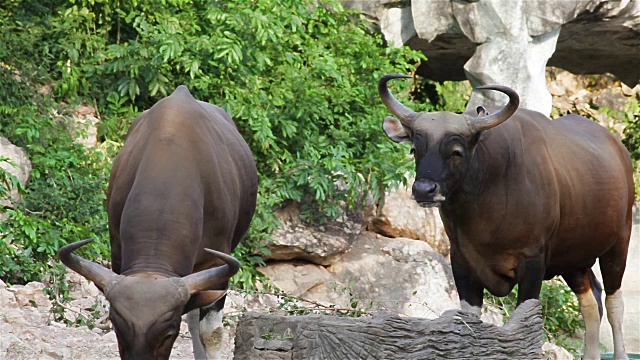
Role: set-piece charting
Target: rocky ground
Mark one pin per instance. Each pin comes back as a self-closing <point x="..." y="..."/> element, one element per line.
<point x="28" y="329"/>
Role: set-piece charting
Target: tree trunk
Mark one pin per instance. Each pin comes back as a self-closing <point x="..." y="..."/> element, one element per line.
<point x="454" y="335"/>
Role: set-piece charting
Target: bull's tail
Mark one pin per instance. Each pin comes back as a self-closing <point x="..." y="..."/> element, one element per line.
<point x="596" y="289"/>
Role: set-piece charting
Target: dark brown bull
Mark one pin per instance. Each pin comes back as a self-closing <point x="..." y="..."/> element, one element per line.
<point x="185" y="180"/>
<point x="524" y="201"/>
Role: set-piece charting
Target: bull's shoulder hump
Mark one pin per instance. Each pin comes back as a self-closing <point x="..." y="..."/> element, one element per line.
<point x="182" y="90"/>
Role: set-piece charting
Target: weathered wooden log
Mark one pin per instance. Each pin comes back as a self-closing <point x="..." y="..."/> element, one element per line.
<point x="454" y="335"/>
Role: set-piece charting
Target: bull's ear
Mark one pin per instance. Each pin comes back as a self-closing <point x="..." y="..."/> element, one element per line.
<point x="203" y="298"/>
<point x="395" y="130"/>
<point x="481" y="111"/>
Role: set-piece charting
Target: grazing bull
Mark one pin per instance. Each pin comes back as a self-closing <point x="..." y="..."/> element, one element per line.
<point x="524" y="200"/>
<point x="182" y="188"/>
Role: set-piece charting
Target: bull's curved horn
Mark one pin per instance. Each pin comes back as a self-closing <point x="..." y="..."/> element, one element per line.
<point x="404" y="114"/>
<point x="208" y="279"/>
<point x="487" y="122"/>
<point x="99" y="274"/>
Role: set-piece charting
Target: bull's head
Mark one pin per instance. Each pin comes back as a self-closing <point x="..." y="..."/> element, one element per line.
<point x="443" y="142"/>
<point x="146" y="309"/>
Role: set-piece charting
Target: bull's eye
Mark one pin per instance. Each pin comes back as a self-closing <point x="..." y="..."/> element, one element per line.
<point x="457" y="153"/>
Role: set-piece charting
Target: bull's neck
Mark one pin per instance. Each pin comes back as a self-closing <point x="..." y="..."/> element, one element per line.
<point x="150" y="270"/>
<point x="149" y="275"/>
<point x="148" y="260"/>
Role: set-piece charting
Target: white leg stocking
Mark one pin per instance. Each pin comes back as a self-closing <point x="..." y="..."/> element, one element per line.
<point x="615" y="309"/>
<point x="591" y="316"/>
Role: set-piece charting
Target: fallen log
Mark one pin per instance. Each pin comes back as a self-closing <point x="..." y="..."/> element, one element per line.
<point x="454" y="335"/>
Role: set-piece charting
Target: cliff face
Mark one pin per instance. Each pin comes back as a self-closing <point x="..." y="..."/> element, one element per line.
<point x="511" y="42"/>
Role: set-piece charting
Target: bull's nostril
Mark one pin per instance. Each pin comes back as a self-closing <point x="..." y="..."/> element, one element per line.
<point x="425" y="187"/>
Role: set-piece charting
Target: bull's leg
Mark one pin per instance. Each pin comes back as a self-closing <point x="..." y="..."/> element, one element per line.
<point x="193" y="320"/>
<point x="612" y="266"/>
<point x="583" y="284"/>
<point x="615" y="311"/>
<point x="205" y="327"/>
<point x="470" y="290"/>
<point x="530" y="279"/>
<point x="211" y="329"/>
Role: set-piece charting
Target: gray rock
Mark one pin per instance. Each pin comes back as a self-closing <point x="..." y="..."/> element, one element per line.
<point x="399" y="275"/>
<point x="20" y="170"/>
<point x="511" y="42"/>
<point x="555" y="352"/>
<point x="32" y="295"/>
<point x="7" y="298"/>
<point x="305" y="281"/>
<point x="319" y="245"/>
<point x="84" y="125"/>
<point x="518" y="62"/>
<point x="402" y="217"/>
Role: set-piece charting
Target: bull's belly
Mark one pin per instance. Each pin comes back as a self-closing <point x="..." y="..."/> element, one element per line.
<point x="578" y="255"/>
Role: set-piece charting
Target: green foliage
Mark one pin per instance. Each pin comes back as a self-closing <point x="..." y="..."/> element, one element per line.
<point x="560" y="312"/>
<point x="299" y="78"/>
<point x="631" y="139"/>
<point x="64" y="198"/>
<point x="442" y="96"/>
<point x="305" y="102"/>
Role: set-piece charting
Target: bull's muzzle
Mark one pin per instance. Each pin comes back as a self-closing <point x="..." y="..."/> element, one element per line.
<point x="426" y="193"/>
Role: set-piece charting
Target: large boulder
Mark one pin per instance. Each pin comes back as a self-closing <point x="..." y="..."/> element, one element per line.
<point x="401" y="217"/>
<point x="316" y="244"/>
<point x="511" y="42"/>
<point x="399" y="275"/>
<point x="306" y="281"/>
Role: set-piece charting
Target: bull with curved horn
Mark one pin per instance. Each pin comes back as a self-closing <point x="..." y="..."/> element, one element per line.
<point x="181" y="196"/>
<point x="524" y="199"/>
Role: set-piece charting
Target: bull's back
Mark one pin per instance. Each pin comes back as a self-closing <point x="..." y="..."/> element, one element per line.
<point x="184" y="180"/>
